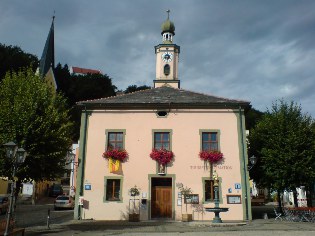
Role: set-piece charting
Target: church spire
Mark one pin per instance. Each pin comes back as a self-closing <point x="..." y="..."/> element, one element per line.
<point x="47" y="61"/>
<point x="48" y="56"/>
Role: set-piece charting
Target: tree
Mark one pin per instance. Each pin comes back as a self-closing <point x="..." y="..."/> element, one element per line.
<point x="82" y="87"/>
<point x="63" y="79"/>
<point x="134" y="88"/>
<point x="283" y="140"/>
<point x="36" y="119"/>
<point x="12" y="58"/>
<point x="252" y="116"/>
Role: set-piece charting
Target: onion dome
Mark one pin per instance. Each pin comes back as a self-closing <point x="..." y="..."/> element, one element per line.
<point x="168" y="26"/>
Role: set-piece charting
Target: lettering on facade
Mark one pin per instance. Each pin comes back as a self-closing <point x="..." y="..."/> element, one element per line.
<point x="220" y="167"/>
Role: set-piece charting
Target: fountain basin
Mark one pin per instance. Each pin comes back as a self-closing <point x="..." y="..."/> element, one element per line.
<point x="216" y="211"/>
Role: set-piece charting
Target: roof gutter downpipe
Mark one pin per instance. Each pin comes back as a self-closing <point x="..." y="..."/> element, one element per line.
<point x="82" y="154"/>
<point x="244" y="162"/>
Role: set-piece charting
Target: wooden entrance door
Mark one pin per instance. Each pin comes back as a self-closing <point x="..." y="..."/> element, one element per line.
<point x="161" y="202"/>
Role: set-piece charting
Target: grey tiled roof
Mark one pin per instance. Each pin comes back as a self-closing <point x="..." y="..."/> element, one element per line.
<point x="164" y="97"/>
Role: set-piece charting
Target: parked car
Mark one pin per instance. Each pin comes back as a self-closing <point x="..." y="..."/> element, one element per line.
<point x="64" y="201"/>
<point x="55" y="190"/>
<point x="4" y="204"/>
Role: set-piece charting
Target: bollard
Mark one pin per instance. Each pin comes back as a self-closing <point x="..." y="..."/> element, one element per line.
<point x="48" y="219"/>
<point x="265" y="216"/>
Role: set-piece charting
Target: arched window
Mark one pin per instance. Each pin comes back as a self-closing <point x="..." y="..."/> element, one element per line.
<point x="167" y="69"/>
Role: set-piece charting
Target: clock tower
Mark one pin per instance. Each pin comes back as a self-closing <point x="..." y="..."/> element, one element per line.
<point x="167" y="57"/>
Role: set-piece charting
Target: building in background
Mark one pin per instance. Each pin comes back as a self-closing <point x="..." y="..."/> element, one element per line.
<point x="4" y="185"/>
<point x="83" y="71"/>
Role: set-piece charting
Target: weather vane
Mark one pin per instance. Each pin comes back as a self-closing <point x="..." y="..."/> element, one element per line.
<point x="168" y="14"/>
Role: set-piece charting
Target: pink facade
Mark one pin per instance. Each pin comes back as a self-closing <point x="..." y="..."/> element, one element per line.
<point x="187" y="168"/>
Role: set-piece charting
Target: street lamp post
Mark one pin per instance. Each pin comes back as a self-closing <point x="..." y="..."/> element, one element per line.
<point x="72" y="159"/>
<point x="17" y="156"/>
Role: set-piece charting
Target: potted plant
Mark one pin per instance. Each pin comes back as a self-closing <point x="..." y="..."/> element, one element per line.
<point x="185" y="191"/>
<point x="133" y="215"/>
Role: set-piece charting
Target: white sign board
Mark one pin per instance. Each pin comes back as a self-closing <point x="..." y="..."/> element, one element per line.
<point x="27" y="189"/>
<point x="81" y="199"/>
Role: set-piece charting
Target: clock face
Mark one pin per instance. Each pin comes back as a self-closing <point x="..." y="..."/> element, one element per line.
<point x="167" y="56"/>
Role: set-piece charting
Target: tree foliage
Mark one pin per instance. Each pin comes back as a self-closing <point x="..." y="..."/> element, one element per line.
<point x="252" y="116"/>
<point x="134" y="88"/>
<point x="12" y="58"/>
<point x="82" y="87"/>
<point x="283" y="141"/>
<point x="36" y="119"/>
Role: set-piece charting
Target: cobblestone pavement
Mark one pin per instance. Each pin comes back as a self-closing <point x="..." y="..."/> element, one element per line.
<point x="34" y="219"/>
<point x="256" y="227"/>
<point x="30" y="215"/>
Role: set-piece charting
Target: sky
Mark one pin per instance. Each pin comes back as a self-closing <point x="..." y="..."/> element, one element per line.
<point x="259" y="51"/>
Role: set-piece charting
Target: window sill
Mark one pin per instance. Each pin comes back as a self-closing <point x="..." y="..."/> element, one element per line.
<point x="113" y="200"/>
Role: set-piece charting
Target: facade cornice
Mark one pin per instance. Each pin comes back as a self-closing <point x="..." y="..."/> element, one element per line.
<point x="175" y="46"/>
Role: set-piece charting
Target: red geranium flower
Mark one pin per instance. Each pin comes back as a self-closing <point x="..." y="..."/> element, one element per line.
<point x="211" y="156"/>
<point x="162" y="156"/>
<point x="117" y="154"/>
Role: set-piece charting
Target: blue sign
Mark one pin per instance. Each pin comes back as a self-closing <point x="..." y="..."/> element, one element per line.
<point x="230" y="190"/>
<point x="87" y="187"/>
<point x="238" y="186"/>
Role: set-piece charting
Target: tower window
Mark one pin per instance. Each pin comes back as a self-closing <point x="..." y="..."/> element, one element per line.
<point x="167" y="69"/>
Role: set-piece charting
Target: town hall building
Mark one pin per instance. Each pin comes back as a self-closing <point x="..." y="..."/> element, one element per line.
<point x="139" y="150"/>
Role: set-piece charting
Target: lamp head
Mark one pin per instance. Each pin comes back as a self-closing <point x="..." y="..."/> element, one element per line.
<point x="253" y="160"/>
<point x="20" y="155"/>
<point x="10" y="148"/>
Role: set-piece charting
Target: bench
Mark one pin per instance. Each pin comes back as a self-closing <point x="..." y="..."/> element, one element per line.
<point x="258" y="201"/>
<point x="13" y="230"/>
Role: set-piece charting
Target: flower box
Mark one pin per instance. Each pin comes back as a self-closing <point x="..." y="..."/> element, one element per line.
<point x="162" y="156"/>
<point x="116" y="154"/>
<point x="211" y="156"/>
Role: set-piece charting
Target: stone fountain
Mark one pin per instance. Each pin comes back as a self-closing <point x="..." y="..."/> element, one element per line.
<point x="216" y="209"/>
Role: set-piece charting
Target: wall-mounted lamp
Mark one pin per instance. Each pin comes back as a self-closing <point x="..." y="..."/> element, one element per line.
<point x="253" y="161"/>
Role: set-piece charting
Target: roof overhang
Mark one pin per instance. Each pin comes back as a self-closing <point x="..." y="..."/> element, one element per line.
<point x="158" y="106"/>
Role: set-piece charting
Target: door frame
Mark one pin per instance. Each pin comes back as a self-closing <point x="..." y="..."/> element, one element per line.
<point x="171" y="176"/>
